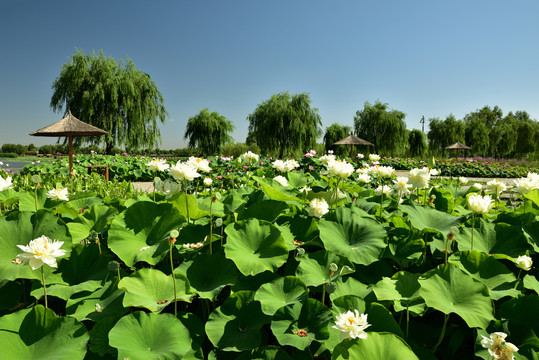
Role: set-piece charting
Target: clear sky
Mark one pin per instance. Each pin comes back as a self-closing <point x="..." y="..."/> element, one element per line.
<point x="426" y="57"/>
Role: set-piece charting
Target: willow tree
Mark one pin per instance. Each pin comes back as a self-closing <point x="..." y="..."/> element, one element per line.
<point x="208" y="131"/>
<point x="334" y="133"/>
<point x="112" y="95"/>
<point x="384" y="128"/>
<point x="285" y="124"/>
<point x="417" y="143"/>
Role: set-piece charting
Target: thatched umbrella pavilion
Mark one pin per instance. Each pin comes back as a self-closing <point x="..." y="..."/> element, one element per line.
<point x="458" y="146"/>
<point x="353" y="140"/>
<point x="69" y="126"/>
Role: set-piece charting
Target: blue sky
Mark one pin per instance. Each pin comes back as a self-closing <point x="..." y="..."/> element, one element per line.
<point x="428" y="58"/>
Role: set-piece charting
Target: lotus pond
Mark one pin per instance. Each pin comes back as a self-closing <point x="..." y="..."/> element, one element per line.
<point x="307" y="261"/>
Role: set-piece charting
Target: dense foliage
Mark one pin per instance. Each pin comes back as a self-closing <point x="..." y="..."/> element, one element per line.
<point x="208" y="132"/>
<point x="334" y="133"/>
<point x="112" y="95"/>
<point x="285" y="124"/>
<point x="261" y="268"/>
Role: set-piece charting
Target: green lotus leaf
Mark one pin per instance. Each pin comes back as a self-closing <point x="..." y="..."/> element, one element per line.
<point x="359" y="239"/>
<point x="533" y="196"/>
<point x="275" y="191"/>
<point x="497" y="238"/>
<point x="340" y="306"/>
<point x="178" y="200"/>
<point x="38" y="334"/>
<point x="522" y="311"/>
<point x="217" y="207"/>
<point x="381" y="320"/>
<point x="27" y="200"/>
<point x="403" y="289"/>
<point x="385" y="346"/>
<point x="530" y="282"/>
<point x="427" y="218"/>
<point x="280" y="292"/>
<point x="265" y="353"/>
<point x="499" y="280"/>
<point x="153" y="290"/>
<point x="301" y="323"/>
<point x="350" y="286"/>
<point x="19" y="228"/>
<point x="304" y="229"/>
<point x="255" y="246"/>
<point x="99" y="337"/>
<point x="150" y="337"/>
<point x="253" y="283"/>
<point x="99" y="304"/>
<point x="208" y="274"/>
<point x="232" y="202"/>
<point x="140" y="233"/>
<point x="10" y="197"/>
<point x="444" y="200"/>
<point x="236" y="324"/>
<point x="313" y="268"/>
<point x="531" y="231"/>
<point x="95" y="219"/>
<point x="451" y="290"/>
<point x="268" y="210"/>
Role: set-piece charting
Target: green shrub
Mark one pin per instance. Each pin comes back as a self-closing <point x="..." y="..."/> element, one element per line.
<point x="8" y="155"/>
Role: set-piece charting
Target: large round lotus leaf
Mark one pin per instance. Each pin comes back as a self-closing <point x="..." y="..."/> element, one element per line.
<point x="277" y="192"/>
<point x="255" y="246"/>
<point x="385" y="346"/>
<point x="140" y="233"/>
<point x="236" y="324"/>
<point x="99" y="304"/>
<point x="265" y="353"/>
<point x="360" y="239"/>
<point x="427" y="218"/>
<point x="313" y="269"/>
<point x="38" y="334"/>
<point x="95" y="219"/>
<point x="268" y="210"/>
<point x="150" y="337"/>
<point x="500" y="238"/>
<point x="179" y="201"/>
<point x="10" y="293"/>
<point x="451" y="290"/>
<point x="19" y="228"/>
<point x="299" y="324"/>
<point x="99" y="337"/>
<point x="350" y="286"/>
<point x="280" y="292"/>
<point x="28" y="200"/>
<point x="208" y="274"/>
<point x="152" y="289"/>
<point x="499" y="280"/>
<point x="403" y="289"/>
<point x="84" y="270"/>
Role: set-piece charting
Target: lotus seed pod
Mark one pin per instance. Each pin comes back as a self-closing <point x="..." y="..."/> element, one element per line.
<point x="331" y="287"/>
<point x="454" y="230"/>
<point x="36" y="179"/>
<point x="174" y="233"/>
<point x="113" y="266"/>
<point x="218" y="222"/>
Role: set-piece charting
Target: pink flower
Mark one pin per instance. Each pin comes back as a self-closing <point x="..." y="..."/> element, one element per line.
<point x="219" y="177"/>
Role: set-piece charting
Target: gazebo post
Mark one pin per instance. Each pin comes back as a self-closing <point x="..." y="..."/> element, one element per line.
<point x="70" y="137"/>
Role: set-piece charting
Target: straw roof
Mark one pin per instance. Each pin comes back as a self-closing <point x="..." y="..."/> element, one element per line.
<point x="69" y="126"/>
<point x="458" y="146"/>
<point x="352" y="140"/>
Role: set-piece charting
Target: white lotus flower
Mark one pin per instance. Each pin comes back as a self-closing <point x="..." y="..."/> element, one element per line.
<point x="281" y="180"/>
<point x="478" y="186"/>
<point x="434" y="172"/>
<point x="5" y="184"/>
<point x="182" y="171"/>
<point x="385" y="171"/>
<point x="324" y="159"/>
<point x="199" y="164"/>
<point x="463" y="180"/>
<point x="480" y="204"/>
<point x="158" y="165"/>
<point x="208" y="181"/>
<point x="352" y="325"/>
<point x="525" y="185"/>
<point x="318" y="207"/>
<point x="340" y="168"/>
<point x="496" y="186"/>
<point x="305" y="189"/>
<point x="167" y="187"/>
<point x="385" y="190"/>
<point x="364" y="178"/>
<point x="419" y="178"/>
<point x="41" y="251"/>
<point x="401" y="185"/>
<point x="279" y="165"/>
<point x="250" y="157"/>
<point x="524" y="262"/>
<point x="374" y="157"/>
<point x="58" y="194"/>
<point x="360" y="156"/>
<point x="497" y="347"/>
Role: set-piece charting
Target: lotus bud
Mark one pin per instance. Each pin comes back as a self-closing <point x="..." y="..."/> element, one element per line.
<point x="218" y="222"/>
<point x="333" y="267"/>
<point x="300" y="251"/>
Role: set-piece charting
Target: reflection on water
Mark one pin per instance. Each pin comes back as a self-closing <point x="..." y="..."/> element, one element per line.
<point x="14" y="166"/>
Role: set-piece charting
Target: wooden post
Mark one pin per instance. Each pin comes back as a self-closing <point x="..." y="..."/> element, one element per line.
<point x="70" y="155"/>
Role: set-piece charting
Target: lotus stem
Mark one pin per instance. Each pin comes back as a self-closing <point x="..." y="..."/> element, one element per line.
<point x="407" y="320"/>
<point x="473" y="224"/>
<point x="518" y="277"/>
<point x="211" y="220"/>
<point x="442" y="334"/>
<point x="186" y="200"/>
<point x="44" y="287"/>
<point x="119" y="276"/>
<point x="35" y="197"/>
<point x="381" y="202"/>
<point x="173" y="281"/>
